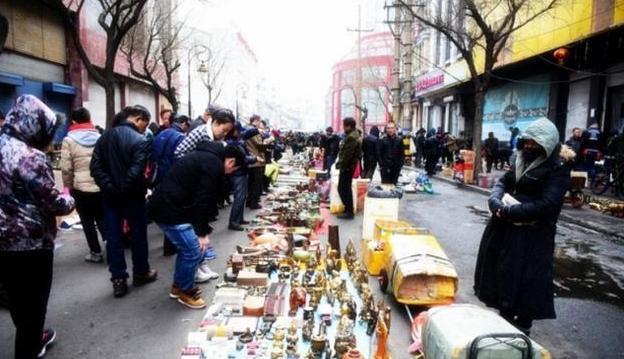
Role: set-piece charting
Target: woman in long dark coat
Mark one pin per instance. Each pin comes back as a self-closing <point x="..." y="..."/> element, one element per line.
<point x="514" y="271"/>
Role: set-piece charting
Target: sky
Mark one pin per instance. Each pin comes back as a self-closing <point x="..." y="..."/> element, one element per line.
<point x="297" y="42"/>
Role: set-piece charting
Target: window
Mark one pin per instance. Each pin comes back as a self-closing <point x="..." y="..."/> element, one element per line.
<point x="347" y="103"/>
<point x="348" y="77"/>
<point x="373" y="100"/>
<point x="374" y="73"/>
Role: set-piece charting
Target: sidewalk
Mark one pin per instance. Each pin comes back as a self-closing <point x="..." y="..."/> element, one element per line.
<point x="585" y="217"/>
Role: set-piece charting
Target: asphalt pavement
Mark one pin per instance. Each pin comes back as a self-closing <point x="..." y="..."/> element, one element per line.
<point x="147" y="324"/>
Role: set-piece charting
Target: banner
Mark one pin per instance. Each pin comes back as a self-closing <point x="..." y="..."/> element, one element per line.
<point x="515" y="105"/>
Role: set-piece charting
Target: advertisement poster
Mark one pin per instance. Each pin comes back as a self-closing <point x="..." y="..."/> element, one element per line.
<point x="515" y="105"/>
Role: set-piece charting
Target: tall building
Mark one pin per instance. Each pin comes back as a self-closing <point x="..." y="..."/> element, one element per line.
<point x="373" y="90"/>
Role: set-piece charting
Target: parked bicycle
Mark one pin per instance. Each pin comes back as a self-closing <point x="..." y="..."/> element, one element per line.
<point x="611" y="175"/>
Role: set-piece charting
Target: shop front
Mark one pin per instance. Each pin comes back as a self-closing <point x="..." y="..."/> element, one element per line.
<point x="441" y="103"/>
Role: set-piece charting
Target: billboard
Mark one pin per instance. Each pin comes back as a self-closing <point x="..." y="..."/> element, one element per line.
<point x="515" y="105"/>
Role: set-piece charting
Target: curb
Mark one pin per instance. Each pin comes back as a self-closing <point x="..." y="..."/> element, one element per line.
<point x="566" y="217"/>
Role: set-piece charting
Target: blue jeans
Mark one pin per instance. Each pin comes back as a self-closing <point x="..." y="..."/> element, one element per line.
<point x="239" y="188"/>
<point x="132" y="210"/>
<point x="189" y="254"/>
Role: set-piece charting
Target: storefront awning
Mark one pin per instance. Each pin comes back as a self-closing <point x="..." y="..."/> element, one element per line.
<point x="59" y="88"/>
<point x="10" y="79"/>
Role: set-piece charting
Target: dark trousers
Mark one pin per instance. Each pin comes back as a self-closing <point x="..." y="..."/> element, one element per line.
<point x="27" y="278"/>
<point x="390" y="175"/>
<point x="369" y="169"/>
<point x="115" y="211"/>
<point x="430" y="164"/>
<point x="489" y="160"/>
<point x="256" y="178"/>
<point x="90" y="210"/>
<point x="344" y="189"/>
<point x="239" y="188"/>
<point x="328" y="162"/>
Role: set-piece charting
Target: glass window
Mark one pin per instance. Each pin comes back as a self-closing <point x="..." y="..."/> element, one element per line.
<point x="348" y="77"/>
<point x="347" y="103"/>
<point x="374" y="100"/>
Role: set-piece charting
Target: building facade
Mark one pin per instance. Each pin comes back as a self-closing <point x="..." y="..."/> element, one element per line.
<point x="40" y="58"/>
<point x="565" y="65"/>
<point x="374" y="88"/>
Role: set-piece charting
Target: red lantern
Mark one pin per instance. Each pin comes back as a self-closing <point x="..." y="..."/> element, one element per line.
<point x="561" y="54"/>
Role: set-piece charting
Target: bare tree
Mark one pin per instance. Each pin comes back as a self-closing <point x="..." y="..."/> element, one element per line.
<point x="213" y="69"/>
<point x="483" y="26"/>
<point x="151" y="50"/>
<point x="116" y="18"/>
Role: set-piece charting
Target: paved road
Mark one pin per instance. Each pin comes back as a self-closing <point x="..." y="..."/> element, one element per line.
<point x="147" y="324"/>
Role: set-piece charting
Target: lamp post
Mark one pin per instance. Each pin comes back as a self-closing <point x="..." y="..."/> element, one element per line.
<point x="202" y="68"/>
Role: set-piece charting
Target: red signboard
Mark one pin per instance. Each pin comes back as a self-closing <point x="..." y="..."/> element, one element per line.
<point x="430" y="81"/>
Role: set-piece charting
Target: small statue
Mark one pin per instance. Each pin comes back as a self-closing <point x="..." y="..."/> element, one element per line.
<point x="320" y="279"/>
<point x="381" y="351"/>
<point x="345" y="337"/>
<point x="315" y="297"/>
<point x="361" y="279"/>
<point x="318" y="340"/>
<point x="292" y="338"/>
<point x="308" y="328"/>
<point x="297" y="300"/>
<point x="350" y="253"/>
<point x="373" y="315"/>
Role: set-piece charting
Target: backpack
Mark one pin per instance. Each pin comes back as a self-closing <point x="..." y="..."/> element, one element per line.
<point x="163" y="157"/>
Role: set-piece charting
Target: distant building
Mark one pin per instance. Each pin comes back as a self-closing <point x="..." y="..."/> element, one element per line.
<point x="39" y="58"/>
<point x="375" y="85"/>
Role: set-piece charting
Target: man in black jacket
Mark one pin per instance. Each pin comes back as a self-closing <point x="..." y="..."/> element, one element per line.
<point x="181" y="204"/>
<point x="390" y="155"/>
<point x="330" y="143"/>
<point x="369" y="152"/>
<point x="118" y="165"/>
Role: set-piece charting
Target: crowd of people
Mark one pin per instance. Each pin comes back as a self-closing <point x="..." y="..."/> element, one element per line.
<point x="176" y="173"/>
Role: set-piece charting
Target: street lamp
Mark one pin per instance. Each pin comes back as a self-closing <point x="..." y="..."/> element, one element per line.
<point x="243" y="96"/>
<point x="202" y="68"/>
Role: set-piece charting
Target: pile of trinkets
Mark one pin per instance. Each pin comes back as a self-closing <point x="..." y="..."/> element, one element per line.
<point x="286" y="295"/>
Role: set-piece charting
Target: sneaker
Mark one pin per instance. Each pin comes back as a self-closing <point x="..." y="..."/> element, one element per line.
<point x="176" y="291"/>
<point x="94" y="257"/>
<point x="49" y="335"/>
<point x="191" y="299"/>
<point x="205" y="268"/>
<point x="142" y="279"/>
<point x="245" y="222"/>
<point x="201" y="277"/>
<point x="254" y="206"/>
<point x="120" y="287"/>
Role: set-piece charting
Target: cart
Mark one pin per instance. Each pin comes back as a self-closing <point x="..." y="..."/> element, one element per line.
<point x="575" y="196"/>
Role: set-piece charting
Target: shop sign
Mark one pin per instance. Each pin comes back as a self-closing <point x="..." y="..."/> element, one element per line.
<point x="429" y="82"/>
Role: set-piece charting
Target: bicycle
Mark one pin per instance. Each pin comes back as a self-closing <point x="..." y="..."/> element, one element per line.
<point x="611" y="176"/>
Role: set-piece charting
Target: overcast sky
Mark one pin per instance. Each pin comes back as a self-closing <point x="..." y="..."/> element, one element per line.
<point x="296" y="41"/>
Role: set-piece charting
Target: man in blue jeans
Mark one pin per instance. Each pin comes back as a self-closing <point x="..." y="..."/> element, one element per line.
<point x="181" y="205"/>
<point x="118" y="166"/>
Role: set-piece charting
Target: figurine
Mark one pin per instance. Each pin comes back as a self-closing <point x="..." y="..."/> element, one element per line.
<point x="381" y="351"/>
<point x="292" y="338"/>
<point x="345" y="337"/>
<point x="373" y="314"/>
<point x="350" y="253"/>
<point x="308" y="328"/>
<point x="297" y="300"/>
<point x="318" y="340"/>
<point x="361" y="279"/>
<point x="320" y="279"/>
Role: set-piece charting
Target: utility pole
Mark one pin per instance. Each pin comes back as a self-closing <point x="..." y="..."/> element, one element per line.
<point x="396" y="68"/>
<point x="408" y="40"/>
<point x="358" y="73"/>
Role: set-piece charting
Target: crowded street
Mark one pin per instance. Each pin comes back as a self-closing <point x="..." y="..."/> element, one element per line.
<point x="295" y="179"/>
<point x="93" y="326"/>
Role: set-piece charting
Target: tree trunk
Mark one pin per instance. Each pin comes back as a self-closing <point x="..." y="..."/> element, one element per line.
<point x="477" y="128"/>
<point x="109" y="90"/>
